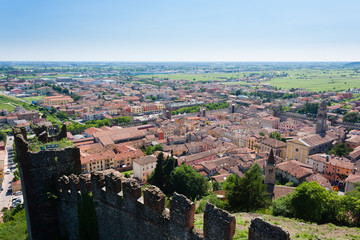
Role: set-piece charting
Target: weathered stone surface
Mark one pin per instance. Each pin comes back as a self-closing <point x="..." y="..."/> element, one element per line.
<point x="39" y="173"/>
<point x="154" y="199"/>
<point x="261" y="230"/>
<point x="52" y="202"/>
<point x="218" y="224"/>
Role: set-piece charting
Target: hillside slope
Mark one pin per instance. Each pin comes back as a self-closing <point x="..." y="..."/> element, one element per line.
<point x="297" y="229"/>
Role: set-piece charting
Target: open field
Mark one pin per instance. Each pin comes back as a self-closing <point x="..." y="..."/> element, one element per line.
<point x="30" y="99"/>
<point x="197" y="76"/>
<point x="297" y="229"/>
<point x="8" y="106"/>
<point x="32" y="76"/>
<point x="318" y="80"/>
<point x="309" y="79"/>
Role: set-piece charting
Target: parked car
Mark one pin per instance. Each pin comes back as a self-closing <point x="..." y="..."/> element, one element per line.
<point x="18" y="193"/>
<point x="7" y="171"/>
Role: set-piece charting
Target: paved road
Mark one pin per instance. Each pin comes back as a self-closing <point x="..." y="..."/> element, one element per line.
<point x="5" y="196"/>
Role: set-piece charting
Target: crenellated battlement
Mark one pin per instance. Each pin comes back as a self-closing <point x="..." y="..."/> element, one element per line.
<point x="124" y="211"/>
<point x="104" y="205"/>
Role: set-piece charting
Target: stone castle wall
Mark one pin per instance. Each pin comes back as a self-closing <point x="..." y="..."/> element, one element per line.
<point x="62" y="205"/>
<point x="39" y="173"/>
<point x="125" y="212"/>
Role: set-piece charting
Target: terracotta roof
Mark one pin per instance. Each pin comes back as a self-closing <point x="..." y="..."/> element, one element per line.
<point x="273" y="143"/>
<point x="146" y="160"/>
<point x="295" y="168"/>
<point x="221" y="177"/>
<point x="353" y="178"/>
<point x="280" y="191"/>
<point x="317" y="139"/>
<point x="320" y="179"/>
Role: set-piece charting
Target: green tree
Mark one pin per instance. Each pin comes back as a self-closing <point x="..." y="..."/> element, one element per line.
<point x="247" y="193"/>
<point x="282" y="207"/>
<point x="261" y="133"/>
<point x="62" y="115"/>
<point x="353" y="117"/>
<point x="157" y="177"/>
<point x="352" y="204"/>
<point x="185" y="180"/>
<point x="169" y="165"/>
<point x="340" y="149"/>
<point x="3" y="136"/>
<point x="275" y="135"/>
<point x="310" y="201"/>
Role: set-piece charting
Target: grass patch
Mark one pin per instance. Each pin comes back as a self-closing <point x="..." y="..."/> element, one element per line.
<point x="130" y="172"/>
<point x="31" y="99"/>
<point x="7" y="106"/>
<point x="35" y="145"/>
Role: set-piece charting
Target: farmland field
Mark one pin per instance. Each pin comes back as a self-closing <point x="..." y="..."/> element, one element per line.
<point x="318" y="80"/>
<point x="306" y="78"/>
<point x="197" y="76"/>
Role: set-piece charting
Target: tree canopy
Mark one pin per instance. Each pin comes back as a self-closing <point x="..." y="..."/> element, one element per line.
<point x="340" y="149"/>
<point x="247" y="193"/>
<point x="353" y="117"/>
<point x="185" y="180"/>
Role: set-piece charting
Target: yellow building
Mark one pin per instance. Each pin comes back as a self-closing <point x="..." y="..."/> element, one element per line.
<point x="160" y="106"/>
<point x="253" y="144"/>
<point x="137" y="109"/>
<point x="57" y="100"/>
<point x="299" y="149"/>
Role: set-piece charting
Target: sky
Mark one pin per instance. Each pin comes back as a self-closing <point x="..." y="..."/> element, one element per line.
<point x="186" y="30"/>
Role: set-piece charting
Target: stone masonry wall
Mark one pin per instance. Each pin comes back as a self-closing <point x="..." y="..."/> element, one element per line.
<point x="39" y="173"/>
<point x="123" y="212"/>
<point x="261" y="230"/>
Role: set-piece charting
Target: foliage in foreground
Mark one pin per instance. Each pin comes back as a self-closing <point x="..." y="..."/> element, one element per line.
<point x="14" y="226"/>
<point x="311" y="202"/>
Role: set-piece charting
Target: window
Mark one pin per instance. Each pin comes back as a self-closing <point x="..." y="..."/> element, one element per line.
<point x="297" y="149"/>
<point x="338" y="170"/>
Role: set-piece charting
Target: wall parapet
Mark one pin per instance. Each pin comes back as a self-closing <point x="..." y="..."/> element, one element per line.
<point x="137" y="214"/>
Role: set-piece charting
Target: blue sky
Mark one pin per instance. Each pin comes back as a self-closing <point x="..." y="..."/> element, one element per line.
<point x="168" y="30"/>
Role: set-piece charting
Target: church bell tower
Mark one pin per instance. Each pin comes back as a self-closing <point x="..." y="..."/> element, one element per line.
<point x="321" y="126"/>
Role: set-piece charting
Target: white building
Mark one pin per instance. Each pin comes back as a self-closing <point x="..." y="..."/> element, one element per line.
<point x="144" y="166"/>
<point x="317" y="161"/>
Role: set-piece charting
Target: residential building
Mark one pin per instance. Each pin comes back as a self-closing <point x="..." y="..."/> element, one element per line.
<point x="293" y="171"/>
<point x="338" y="169"/>
<point x="270" y="122"/>
<point x="317" y="161"/>
<point x="277" y="146"/>
<point x="195" y="147"/>
<point x="57" y="100"/>
<point x="144" y="166"/>
<point x="137" y="109"/>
